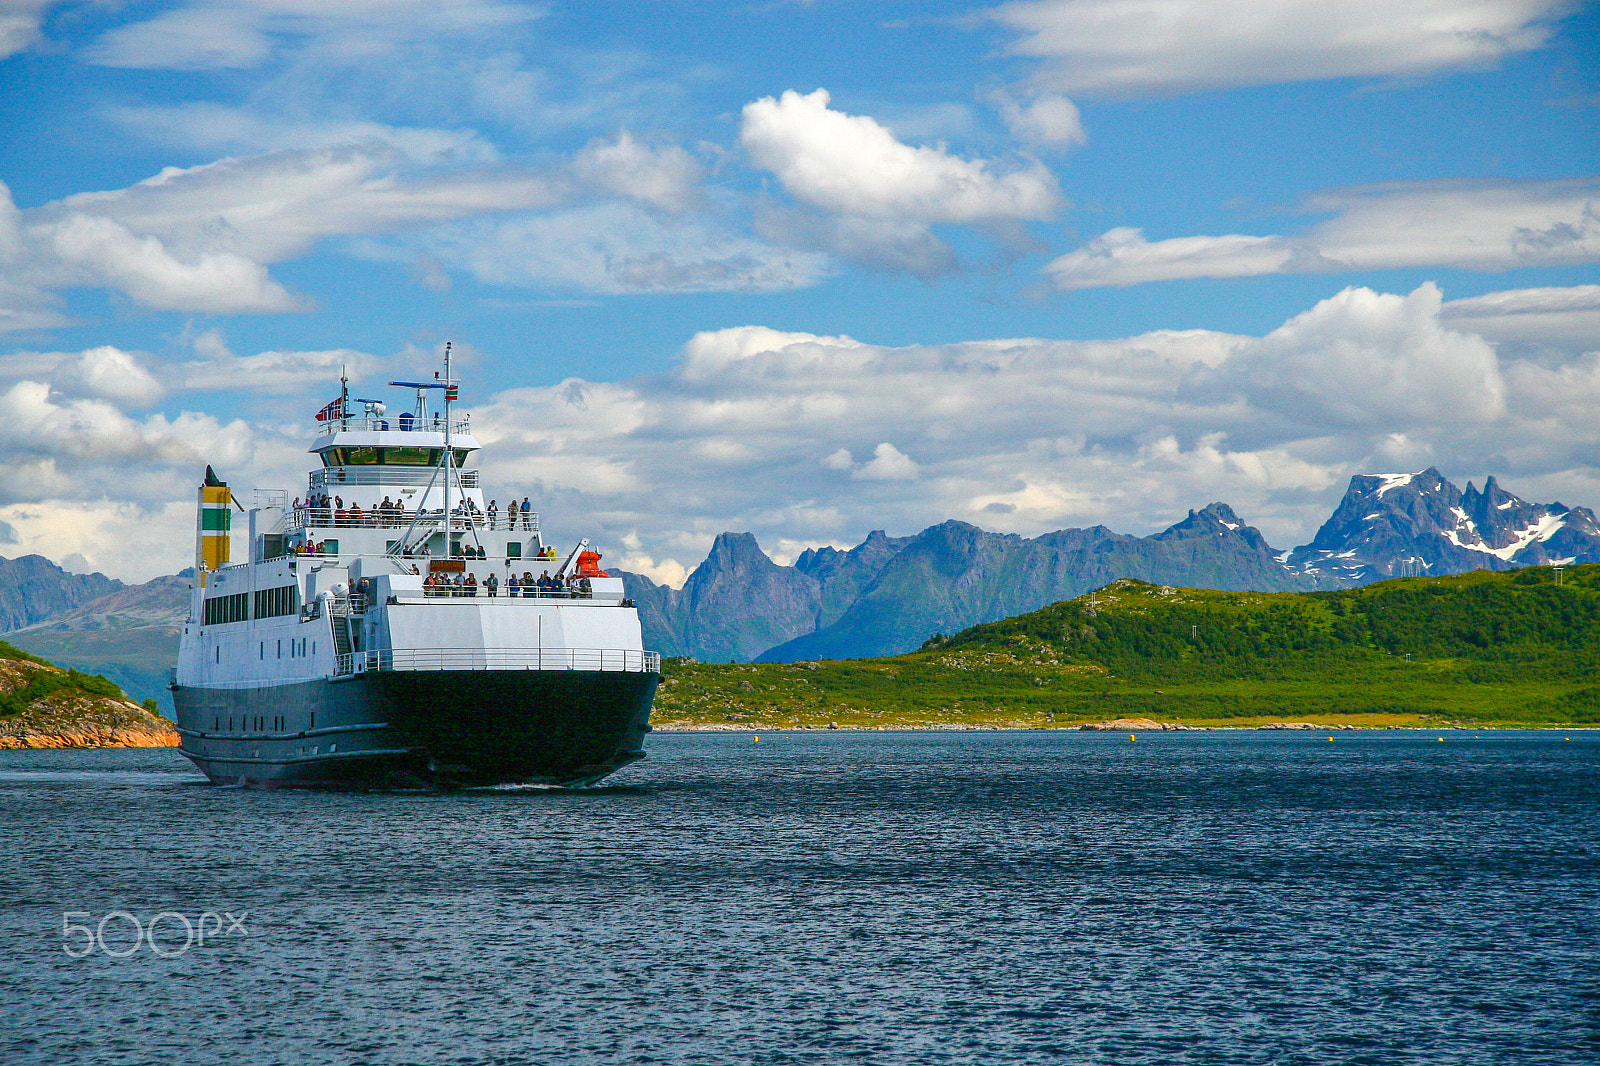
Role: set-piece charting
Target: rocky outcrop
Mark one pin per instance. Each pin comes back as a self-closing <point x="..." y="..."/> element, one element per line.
<point x="71" y="717"/>
<point x="1133" y="725"/>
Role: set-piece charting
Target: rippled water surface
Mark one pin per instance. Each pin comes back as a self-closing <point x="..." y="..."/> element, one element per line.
<point x="820" y="898"/>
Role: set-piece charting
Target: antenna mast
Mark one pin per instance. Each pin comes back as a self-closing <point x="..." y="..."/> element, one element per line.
<point x="449" y="463"/>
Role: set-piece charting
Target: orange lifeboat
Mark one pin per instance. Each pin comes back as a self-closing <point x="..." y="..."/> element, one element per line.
<point x="589" y="565"/>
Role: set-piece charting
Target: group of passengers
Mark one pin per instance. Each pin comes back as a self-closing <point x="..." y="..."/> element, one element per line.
<point x="324" y="510"/>
<point x="527" y="586"/>
<point x="545" y="585"/>
<point x="514" y="511"/>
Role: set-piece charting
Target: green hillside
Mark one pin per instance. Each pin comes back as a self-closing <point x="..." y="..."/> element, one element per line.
<point x="1485" y="648"/>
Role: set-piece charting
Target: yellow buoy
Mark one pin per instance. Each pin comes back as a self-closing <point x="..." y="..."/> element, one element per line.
<point x="1132" y="736"/>
<point x="1441" y="740"/>
<point x="1330" y="740"/>
<point x="757" y="740"/>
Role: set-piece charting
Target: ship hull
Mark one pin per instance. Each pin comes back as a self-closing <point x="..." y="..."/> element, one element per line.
<point x="420" y="729"/>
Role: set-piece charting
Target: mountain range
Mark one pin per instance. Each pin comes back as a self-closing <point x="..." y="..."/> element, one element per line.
<point x="888" y="594"/>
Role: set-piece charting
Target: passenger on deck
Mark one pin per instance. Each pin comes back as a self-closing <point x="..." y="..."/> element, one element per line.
<point x="529" y="586"/>
<point x="494" y="509"/>
<point x="472" y="585"/>
<point x="491" y="583"/>
<point x="527" y="513"/>
<point x="512" y="586"/>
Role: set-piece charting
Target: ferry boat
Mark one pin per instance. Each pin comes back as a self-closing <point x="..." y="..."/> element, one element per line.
<point x="390" y="630"/>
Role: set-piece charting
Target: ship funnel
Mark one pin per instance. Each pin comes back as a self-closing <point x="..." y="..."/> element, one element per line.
<point x="213" y="526"/>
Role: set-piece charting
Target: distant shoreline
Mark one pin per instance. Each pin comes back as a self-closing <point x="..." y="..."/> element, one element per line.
<point x="757" y="728"/>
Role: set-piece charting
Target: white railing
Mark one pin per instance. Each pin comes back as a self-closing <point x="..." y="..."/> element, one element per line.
<point x="432" y="424"/>
<point x="609" y="660"/>
<point x="329" y="518"/>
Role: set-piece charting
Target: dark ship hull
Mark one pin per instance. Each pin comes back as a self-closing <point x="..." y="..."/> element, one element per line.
<point x="420" y="729"/>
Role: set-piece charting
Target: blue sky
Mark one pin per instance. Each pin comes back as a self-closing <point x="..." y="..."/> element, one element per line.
<point x="806" y="269"/>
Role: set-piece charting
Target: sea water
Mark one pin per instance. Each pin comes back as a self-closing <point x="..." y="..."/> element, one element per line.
<point x="917" y="898"/>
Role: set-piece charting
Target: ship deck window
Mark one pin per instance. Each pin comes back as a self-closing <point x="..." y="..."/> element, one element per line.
<point x="220" y="609"/>
<point x="272" y="603"/>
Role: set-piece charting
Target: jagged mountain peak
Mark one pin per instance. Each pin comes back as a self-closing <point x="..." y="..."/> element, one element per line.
<point x="735" y="551"/>
<point x="1397" y="525"/>
<point x="1211" y="520"/>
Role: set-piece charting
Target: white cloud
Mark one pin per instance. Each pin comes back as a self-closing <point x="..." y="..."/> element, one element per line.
<point x="1050" y="119"/>
<point x="1469" y="225"/>
<point x="215" y="37"/>
<point x="664" y="177"/>
<point x="888" y="463"/>
<point x="240" y="34"/>
<point x="1565" y="318"/>
<point x="1368" y="359"/>
<point x="19" y="24"/>
<point x="851" y="165"/>
<point x="104" y="252"/>
<point x="217" y="127"/>
<point x="614" y="247"/>
<point x="108" y="373"/>
<point x="1114" y="47"/>
<point x="1122" y="256"/>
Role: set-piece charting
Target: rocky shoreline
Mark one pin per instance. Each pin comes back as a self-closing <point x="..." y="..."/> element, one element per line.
<point x="87" y="724"/>
<point x="72" y="711"/>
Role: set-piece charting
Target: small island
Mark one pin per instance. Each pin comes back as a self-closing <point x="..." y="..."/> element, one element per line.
<point x="1510" y="649"/>
<point x="45" y="706"/>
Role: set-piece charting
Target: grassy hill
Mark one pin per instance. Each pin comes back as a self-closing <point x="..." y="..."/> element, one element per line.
<point x="1485" y="648"/>
<point x="45" y="706"/>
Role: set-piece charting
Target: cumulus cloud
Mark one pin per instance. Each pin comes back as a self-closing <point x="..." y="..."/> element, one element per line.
<point x="865" y="195"/>
<point x="888" y="463"/>
<point x="108" y="373"/>
<point x="1111" y="47"/>
<point x="851" y="165"/>
<point x="1477" y="225"/>
<point x="1364" y="359"/>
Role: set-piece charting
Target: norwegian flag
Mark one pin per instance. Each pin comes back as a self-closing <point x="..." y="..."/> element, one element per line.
<point x="332" y="411"/>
